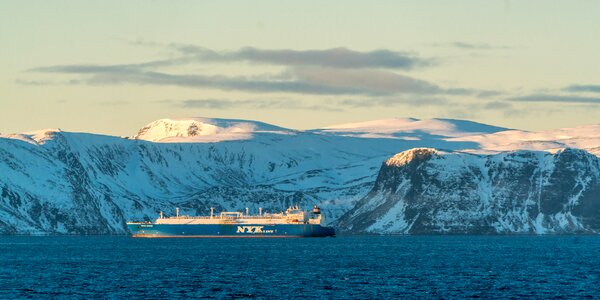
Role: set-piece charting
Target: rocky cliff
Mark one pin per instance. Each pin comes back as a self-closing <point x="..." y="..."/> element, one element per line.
<point x="424" y="191"/>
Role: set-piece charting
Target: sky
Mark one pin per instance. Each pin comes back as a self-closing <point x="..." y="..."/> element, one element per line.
<point x="111" y="67"/>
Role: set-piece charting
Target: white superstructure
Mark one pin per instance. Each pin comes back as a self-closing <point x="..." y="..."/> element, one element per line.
<point x="292" y="215"/>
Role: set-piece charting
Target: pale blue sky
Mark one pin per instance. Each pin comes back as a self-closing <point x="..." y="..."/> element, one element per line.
<point x="113" y="66"/>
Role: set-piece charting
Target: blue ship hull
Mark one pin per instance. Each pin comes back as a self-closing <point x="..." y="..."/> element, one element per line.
<point x="229" y="230"/>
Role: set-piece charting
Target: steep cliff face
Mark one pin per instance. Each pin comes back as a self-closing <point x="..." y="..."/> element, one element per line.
<point x="424" y="190"/>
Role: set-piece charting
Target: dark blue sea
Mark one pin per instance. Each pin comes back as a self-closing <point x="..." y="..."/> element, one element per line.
<point x="120" y="267"/>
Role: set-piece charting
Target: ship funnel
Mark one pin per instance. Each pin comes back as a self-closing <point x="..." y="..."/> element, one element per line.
<point x="316" y="210"/>
<point x="246" y="211"/>
<point x="212" y="211"/>
<point x="177" y="211"/>
<point x="260" y="211"/>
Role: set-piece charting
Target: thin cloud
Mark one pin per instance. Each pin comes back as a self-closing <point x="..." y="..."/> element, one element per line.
<point x="46" y="82"/>
<point x="327" y="105"/>
<point x="590" y="88"/>
<point x="112" y="103"/>
<point x="471" y="46"/>
<point x="121" y="68"/>
<point x="506" y="108"/>
<point x="393" y="101"/>
<point x="369" y="81"/>
<point x="489" y="93"/>
<point x="86" y="69"/>
<point x="338" y="71"/>
<point x="304" y="80"/>
<point x="332" y="58"/>
<point x="556" y="98"/>
<point x="239" y="83"/>
<point x="219" y="104"/>
<point x="497" y="105"/>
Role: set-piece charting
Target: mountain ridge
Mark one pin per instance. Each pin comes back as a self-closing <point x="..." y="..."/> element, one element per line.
<point x="52" y="181"/>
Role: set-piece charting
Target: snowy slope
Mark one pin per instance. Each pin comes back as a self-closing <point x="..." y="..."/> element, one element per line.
<point x="424" y="191"/>
<point x="62" y="182"/>
<point x="484" y="138"/>
<point x="204" y="130"/>
<point x="582" y="137"/>
<point x="410" y="129"/>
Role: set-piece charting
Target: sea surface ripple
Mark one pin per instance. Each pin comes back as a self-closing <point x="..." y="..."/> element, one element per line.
<point x="355" y="267"/>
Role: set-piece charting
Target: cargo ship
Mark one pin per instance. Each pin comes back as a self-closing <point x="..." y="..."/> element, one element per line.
<point x="294" y="222"/>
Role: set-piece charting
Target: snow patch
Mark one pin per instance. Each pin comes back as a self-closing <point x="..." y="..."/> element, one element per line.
<point x="410" y="128"/>
<point x="33" y="137"/>
<point x="582" y="137"/>
<point x="392" y="222"/>
<point x="406" y="157"/>
<point x="203" y="130"/>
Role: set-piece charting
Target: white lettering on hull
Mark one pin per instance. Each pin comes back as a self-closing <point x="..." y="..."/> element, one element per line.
<point x="252" y="229"/>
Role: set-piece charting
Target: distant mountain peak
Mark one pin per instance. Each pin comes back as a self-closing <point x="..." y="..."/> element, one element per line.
<point x="411" y="155"/>
<point x="411" y="128"/>
<point x="199" y="129"/>
<point x="36" y="136"/>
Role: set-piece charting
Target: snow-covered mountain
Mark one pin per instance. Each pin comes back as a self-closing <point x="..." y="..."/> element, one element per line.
<point x="424" y="190"/>
<point x="204" y="130"/>
<point x="63" y="182"/>
<point x="582" y="137"/>
<point x="411" y="129"/>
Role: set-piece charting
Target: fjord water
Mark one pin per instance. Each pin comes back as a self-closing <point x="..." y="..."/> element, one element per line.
<point x="343" y="267"/>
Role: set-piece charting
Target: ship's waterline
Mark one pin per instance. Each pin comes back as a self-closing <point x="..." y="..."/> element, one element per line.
<point x="293" y="223"/>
